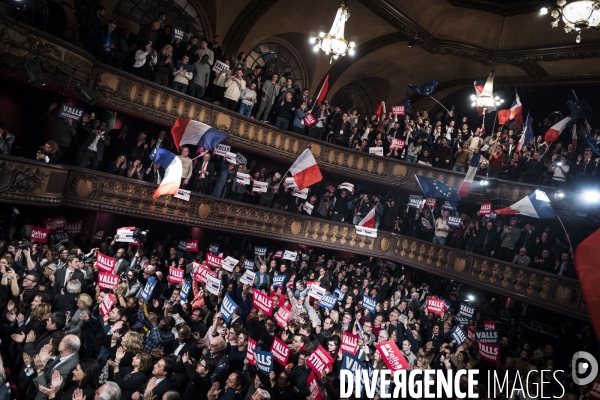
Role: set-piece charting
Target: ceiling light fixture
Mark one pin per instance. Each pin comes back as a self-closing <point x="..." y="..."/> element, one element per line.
<point x="486" y="98"/>
<point x="577" y="15"/>
<point x="333" y="43"/>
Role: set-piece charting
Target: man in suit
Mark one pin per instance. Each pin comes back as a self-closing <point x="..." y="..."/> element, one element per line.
<point x="486" y="240"/>
<point x="93" y="147"/>
<point x="202" y="173"/>
<point x="160" y="383"/>
<point x="341" y="131"/>
<point x="66" y="302"/>
<point x="155" y="174"/>
<point x="71" y="273"/>
<point x="65" y="363"/>
<point x="90" y="30"/>
<point x="33" y="345"/>
<point x="185" y="343"/>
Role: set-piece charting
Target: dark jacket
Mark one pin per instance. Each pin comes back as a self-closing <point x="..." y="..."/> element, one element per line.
<point x="493" y="238"/>
<point x="129" y="382"/>
<point x="151" y="176"/>
<point x="102" y="143"/>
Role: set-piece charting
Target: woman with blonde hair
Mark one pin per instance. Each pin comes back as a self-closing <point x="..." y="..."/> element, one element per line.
<point x="238" y="189"/>
<point x="84" y="304"/>
<point x="164" y="65"/>
<point x="335" y="316"/>
<point x="39" y="316"/>
<point x="131" y="343"/>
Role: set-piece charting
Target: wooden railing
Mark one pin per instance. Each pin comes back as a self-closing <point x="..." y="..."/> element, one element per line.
<point x="25" y="181"/>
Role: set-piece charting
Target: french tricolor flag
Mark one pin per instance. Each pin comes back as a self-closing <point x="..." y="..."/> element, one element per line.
<point x="465" y="186"/>
<point x="173" y="171"/>
<point x="369" y="220"/>
<point x="536" y="205"/>
<point x="305" y="170"/>
<point x="516" y="110"/>
<point x="188" y="131"/>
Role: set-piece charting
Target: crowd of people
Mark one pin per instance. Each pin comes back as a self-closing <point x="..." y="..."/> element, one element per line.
<point x="59" y="342"/>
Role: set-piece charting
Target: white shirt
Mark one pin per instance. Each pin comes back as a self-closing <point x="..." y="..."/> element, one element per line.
<point x="68" y="275"/>
<point x="178" y="349"/>
<point x="204" y="164"/>
<point x="94" y="145"/>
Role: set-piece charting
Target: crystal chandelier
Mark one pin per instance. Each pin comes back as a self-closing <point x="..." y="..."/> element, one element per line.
<point x="486" y="98"/>
<point x="575" y="14"/>
<point x="333" y="43"/>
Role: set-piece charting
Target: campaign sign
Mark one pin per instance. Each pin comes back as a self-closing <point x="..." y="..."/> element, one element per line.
<point x="213" y="261"/>
<point x="436" y="306"/>
<point x="492" y="216"/>
<point x="430" y="202"/>
<point x="230" y="157"/>
<point x="290" y="283"/>
<point x="303" y="194"/>
<point x="595" y="389"/>
<point x="264" y="361"/>
<point x="319" y="360"/>
<point x="228" y="307"/>
<point x="391" y="355"/>
<point x="308" y="208"/>
<point x="260" y="187"/>
<point x="185" y="291"/>
<point x="183" y="194"/>
<point x="486" y="209"/>
<point x="398" y="110"/>
<point x="454" y="220"/>
<point x="213" y="248"/>
<point x="378" y="151"/>
<point x="107" y="280"/>
<point x="125" y="234"/>
<point x="290" y="182"/>
<point x="105" y="263"/>
<point x="178" y="33"/>
<point x="348" y="186"/>
<point x="229" y="263"/>
<point x="248" y="278"/>
<point x="55" y="224"/>
<point x="74" y="228"/>
<point x="471" y="334"/>
<point x="415" y="201"/>
<point x="241" y="159"/>
<point x="263" y="302"/>
<point x="341" y="295"/>
<point x="313" y="387"/>
<point x="221" y="149"/>
<point x="213" y="285"/>
<point x="242" y="179"/>
<point x="175" y="275"/>
<point x="260" y="251"/>
<point x="364" y="231"/>
<point x="220" y="66"/>
<point x="316" y="292"/>
<point x="489" y="325"/>
<point x="107" y="304"/>
<point x="39" y="234"/>
<point x="289" y="255"/>
<point x="191" y="245"/>
<point x="59" y="237"/>
<point x="447" y="206"/>
<point x="489" y="352"/>
<point x="462" y="320"/>
<point x="202" y="274"/>
<point x="328" y="301"/>
<point x="278" y="280"/>
<point x="487" y="336"/>
<point x="397" y="144"/>
<point x="69" y="111"/>
<point x="467" y="310"/>
<point x="280" y="351"/>
<point x="351" y="363"/>
<point x="349" y="343"/>
<point x="250" y="352"/>
<point x="147" y="292"/>
<point x="282" y="316"/>
<point x="249" y="264"/>
<point x="309" y="120"/>
<point x="369" y="303"/>
<point x="459" y="335"/>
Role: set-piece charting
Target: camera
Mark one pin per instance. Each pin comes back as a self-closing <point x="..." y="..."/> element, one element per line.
<point x="140" y="235"/>
<point x="24" y="244"/>
<point x="89" y="260"/>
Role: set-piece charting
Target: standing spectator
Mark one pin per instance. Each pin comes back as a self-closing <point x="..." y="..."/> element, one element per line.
<point x="93" y="146"/>
<point x="107" y="38"/>
<point x="6" y="139"/>
<point x="205" y="51"/>
<point x="145" y="60"/>
<point x="122" y="50"/>
<point x="201" y="74"/>
<point x="63" y="132"/>
<point x="496" y="160"/>
<point x="187" y="167"/>
<point x="164" y="66"/>
<point x="266" y="198"/>
<point x="270" y="91"/>
<point x="188" y="47"/>
<point x="148" y="33"/>
<point x="235" y="84"/>
<point x="218" y="87"/>
<point x="510" y="235"/>
<point x="202" y="174"/>
<point x="165" y="37"/>
<point x="414" y="149"/>
<point x="560" y="170"/>
<point x="486" y="240"/>
<point x="285" y="112"/>
<point x="183" y="74"/>
<point x="90" y="30"/>
<point x="216" y="47"/>
<point x="118" y="166"/>
<point x="441" y="228"/>
<point x="461" y="158"/>
<point x="248" y="98"/>
<point x="442" y="154"/>
<point x="318" y="129"/>
<point x="299" y="118"/>
<point x="138" y="148"/>
<point x="521" y="258"/>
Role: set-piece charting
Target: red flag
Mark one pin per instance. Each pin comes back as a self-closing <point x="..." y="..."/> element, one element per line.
<point x="323" y="91"/>
<point x="588" y="273"/>
<point x="553" y="133"/>
<point x="503" y="116"/>
<point x="380" y="109"/>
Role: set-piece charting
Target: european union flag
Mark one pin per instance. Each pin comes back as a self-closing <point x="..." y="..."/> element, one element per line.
<point x="425" y="89"/>
<point x="437" y="189"/>
<point x="406" y="104"/>
<point x="578" y="108"/>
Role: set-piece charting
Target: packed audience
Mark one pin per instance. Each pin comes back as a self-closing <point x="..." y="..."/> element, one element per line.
<point x="170" y="342"/>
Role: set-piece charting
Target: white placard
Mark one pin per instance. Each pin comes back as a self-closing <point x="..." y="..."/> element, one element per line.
<point x="317" y="292"/>
<point x="242" y="178"/>
<point x="231" y="157"/>
<point x="221" y="149"/>
<point x="308" y="208"/>
<point x="248" y="278"/>
<point x="183" y="194"/>
<point x="260" y="187"/>
<point x="290" y="182"/>
<point x="289" y="255"/>
<point x="303" y="194"/>
<point x="347" y="186"/>
<point x="378" y="151"/>
<point x="213" y="284"/>
<point x="362" y="230"/>
<point x="220" y="66"/>
<point x="229" y="263"/>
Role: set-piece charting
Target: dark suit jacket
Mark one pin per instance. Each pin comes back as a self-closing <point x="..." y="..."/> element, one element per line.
<point x="190" y="347"/>
<point x="65" y="302"/>
<point x="337" y="127"/>
<point x="90" y="30"/>
<point x="90" y="139"/>
<point x="210" y="168"/>
<point x="129" y="384"/>
<point x="493" y="240"/>
<point x="151" y="176"/>
<point x="60" y="279"/>
<point x="163" y="387"/>
<point x="65" y="369"/>
<point x="122" y="267"/>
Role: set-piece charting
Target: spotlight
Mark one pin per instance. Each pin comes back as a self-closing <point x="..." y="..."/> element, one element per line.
<point x="351" y="52"/>
<point x="578" y="38"/>
<point x="473" y="104"/>
<point x="86" y="91"/>
<point x="316" y="48"/>
<point x="591" y="196"/>
<point x="543" y="10"/>
<point x="473" y="97"/>
<point x="412" y="42"/>
<point x="34" y="72"/>
<point x="312" y="40"/>
<point x="489" y="183"/>
<point x="321" y="34"/>
<point x="484" y="182"/>
<point x="352" y="45"/>
<point x="559" y="195"/>
<point x="471" y="297"/>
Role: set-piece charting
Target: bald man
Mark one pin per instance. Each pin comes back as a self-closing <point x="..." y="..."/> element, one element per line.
<point x="185" y="343"/>
<point x="65" y="363"/>
<point x="218" y="354"/>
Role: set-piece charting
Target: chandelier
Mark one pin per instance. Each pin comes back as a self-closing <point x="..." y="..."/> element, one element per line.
<point x="577" y="15"/>
<point x="486" y="98"/>
<point x="333" y="43"/>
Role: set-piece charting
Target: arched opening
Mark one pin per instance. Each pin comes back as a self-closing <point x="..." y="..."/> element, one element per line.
<point x="279" y="59"/>
<point x="355" y="95"/>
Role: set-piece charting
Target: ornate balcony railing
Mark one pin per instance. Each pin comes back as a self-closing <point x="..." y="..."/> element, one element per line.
<point x="67" y="66"/>
<point x="38" y="183"/>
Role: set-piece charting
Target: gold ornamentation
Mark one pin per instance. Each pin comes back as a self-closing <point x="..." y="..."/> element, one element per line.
<point x="460" y="264"/>
<point x="203" y="210"/>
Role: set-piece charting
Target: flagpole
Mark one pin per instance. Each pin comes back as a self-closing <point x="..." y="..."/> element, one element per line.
<point x="319" y="95"/>
<point x="494" y="125"/>
<point x="560" y="220"/>
<point x="432" y="98"/>
<point x="284" y="175"/>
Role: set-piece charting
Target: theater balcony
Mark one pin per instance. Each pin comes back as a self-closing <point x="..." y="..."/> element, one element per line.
<point x="65" y="67"/>
<point x="31" y="182"/>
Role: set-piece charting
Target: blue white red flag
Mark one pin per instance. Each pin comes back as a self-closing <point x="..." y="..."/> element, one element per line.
<point x="188" y="131"/>
<point x="536" y="205"/>
<point x="465" y="186"/>
<point x="173" y="171"/>
<point x="516" y="110"/>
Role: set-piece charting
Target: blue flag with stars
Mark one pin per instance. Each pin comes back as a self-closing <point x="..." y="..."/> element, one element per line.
<point x="406" y="104"/>
<point x="425" y="89"/>
<point x="437" y="189"/>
